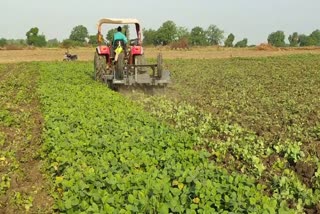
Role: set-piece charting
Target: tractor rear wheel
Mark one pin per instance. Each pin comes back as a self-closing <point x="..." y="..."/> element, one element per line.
<point x="159" y="65"/>
<point x="119" y="67"/>
<point x="100" y="67"/>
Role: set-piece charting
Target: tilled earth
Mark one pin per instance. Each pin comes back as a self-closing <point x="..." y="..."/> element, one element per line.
<point x="22" y="185"/>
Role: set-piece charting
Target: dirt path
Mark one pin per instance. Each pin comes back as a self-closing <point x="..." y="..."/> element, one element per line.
<point x="23" y="188"/>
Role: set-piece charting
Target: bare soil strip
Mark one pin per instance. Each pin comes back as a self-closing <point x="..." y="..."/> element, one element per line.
<point x="23" y="188"/>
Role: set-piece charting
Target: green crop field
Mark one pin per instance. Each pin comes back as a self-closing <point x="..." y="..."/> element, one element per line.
<point x="238" y="135"/>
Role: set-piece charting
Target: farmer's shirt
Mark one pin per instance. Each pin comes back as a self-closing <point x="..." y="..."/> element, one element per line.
<point x="119" y="36"/>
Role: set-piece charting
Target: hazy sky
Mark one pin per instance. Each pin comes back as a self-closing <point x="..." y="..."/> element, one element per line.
<point x="253" y="19"/>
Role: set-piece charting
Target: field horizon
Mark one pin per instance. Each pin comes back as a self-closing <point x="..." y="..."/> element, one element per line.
<point x="214" y="52"/>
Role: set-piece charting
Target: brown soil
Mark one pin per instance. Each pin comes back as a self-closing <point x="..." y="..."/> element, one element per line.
<point x="305" y="171"/>
<point x="269" y="161"/>
<point x="317" y="148"/>
<point x="86" y="54"/>
<point x="27" y="181"/>
<point x="313" y="210"/>
<point x="313" y="148"/>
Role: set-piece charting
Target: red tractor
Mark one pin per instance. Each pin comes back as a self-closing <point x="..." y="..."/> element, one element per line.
<point x="117" y="63"/>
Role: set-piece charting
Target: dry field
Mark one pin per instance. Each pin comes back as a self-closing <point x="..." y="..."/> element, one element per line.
<point x="86" y="54"/>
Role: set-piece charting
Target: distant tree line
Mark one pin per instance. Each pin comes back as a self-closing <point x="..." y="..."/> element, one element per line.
<point x="167" y="34"/>
<point x="295" y="39"/>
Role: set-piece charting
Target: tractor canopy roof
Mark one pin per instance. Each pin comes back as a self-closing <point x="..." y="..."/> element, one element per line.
<point x="120" y="21"/>
<point x="117" y="21"/>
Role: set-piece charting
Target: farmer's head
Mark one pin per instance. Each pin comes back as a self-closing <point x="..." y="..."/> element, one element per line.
<point x="119" y="29"/>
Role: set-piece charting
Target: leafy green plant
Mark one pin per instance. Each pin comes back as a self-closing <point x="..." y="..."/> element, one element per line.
<point x="22" y="201"/>
<point x="290" y="150"/>
<point x="5" y="183"/>
<point x="2" y="139"/>
<point x="254" y="116"/>
<point x="106" y="154"/>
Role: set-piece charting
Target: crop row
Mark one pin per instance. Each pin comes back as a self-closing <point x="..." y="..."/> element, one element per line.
<point x="256" y="116"/>
<point x="241" y="150"/>
<point x="107" y="155"/>
<point x="276" y="97"/>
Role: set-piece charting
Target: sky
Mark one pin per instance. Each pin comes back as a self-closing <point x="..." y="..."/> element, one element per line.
<point x="252" y="19"/>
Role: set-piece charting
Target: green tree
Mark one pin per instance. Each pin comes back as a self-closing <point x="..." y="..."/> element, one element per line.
<point x="68" y="43"/>
<point x="3" y="42"/>
<point x="93" y="40"/>
<point x="110" y="34"/>
<point x="34" y="39"/>
<point x="52" y="43"/>
<point x="166" y="33"/>
<point x="79" y="34"/>
<point x="277" y="39"/>
<point x="294" y="39"/>
<point x="182" y="39"/>
<point x="315" y="37"/>
<point x="21" y="42"/>
<point x="126" y="31"/>
<point x="198" y="36"/>
<point x="229" y="41"/>
<point x="150" y="37"/>
<point x="242" y="44"/>
<point x="214" y="35"/>
<point x="182" y="33"/>
<point x="304" y="40"/>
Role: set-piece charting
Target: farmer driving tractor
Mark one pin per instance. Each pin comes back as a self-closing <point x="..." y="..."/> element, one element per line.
<point x="119" y="36"/>
<point x="119" y="42"/>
